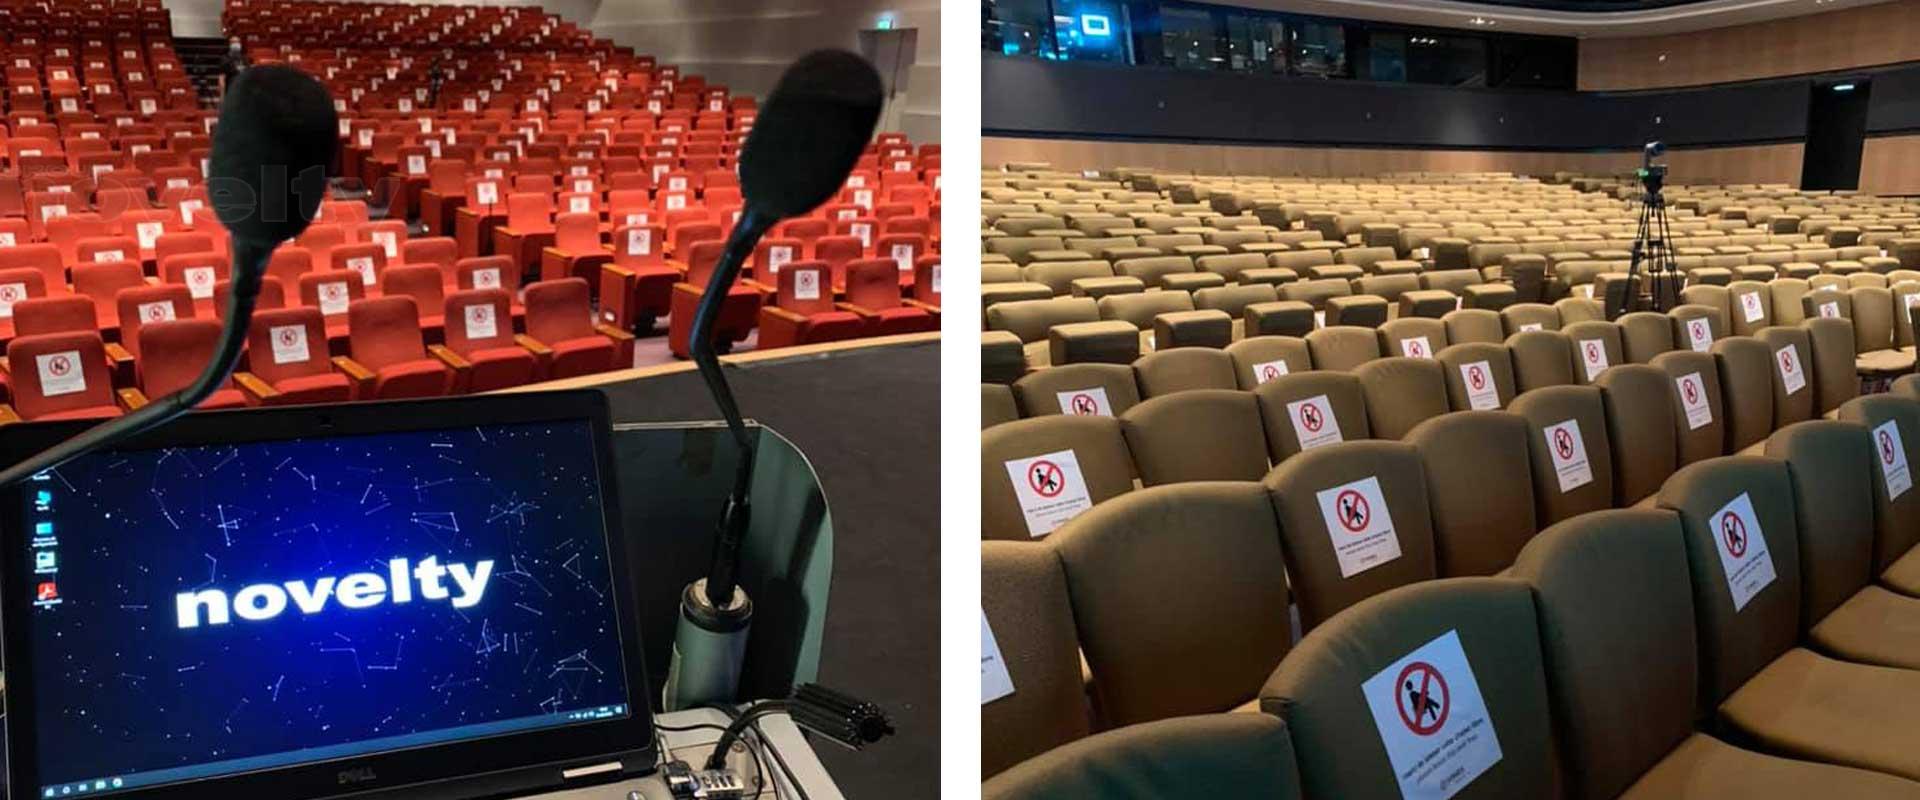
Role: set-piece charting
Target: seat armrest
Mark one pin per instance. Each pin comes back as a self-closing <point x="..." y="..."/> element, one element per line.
<point x="258" y="391"/>
<point x="448" y="357"/>
<point x="863" y="311"/>
<point x="616" y="270"/>
<point x="927" y="307"/>
<point x="8" y="416"/>
<point x="117" y="354"/>
<point x="533" y="346"/>
<point x="611" y="332"/>
<point x="757" y="286"/>
<point x="130" y="398"/>
<point x="784" y="314"/>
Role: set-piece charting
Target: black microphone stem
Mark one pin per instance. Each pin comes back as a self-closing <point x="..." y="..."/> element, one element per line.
<point x="250" y="260"/>
<point x="723" y="577"/>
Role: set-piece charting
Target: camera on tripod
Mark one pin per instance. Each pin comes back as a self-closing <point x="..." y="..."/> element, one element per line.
<point x="1653" y="278"/>
<point x="1652" y="176"/>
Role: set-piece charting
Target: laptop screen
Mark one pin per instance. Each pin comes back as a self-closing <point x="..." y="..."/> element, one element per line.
<point x="205" y="611"/>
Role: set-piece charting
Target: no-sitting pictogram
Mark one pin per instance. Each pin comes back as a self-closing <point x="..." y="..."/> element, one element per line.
<point x="1786" y="361"/>
<point x="1352" y="509"/>
<point x="1693" y="392"/>
<point x="1046" y="479"/>
<point x="59" y="365"/>
<point x="1886" y="448"/>
<point x="1593" y="352"/>
<point x="1733" y="531"/>
<point x="1563" y="442"/>
<point x="1422" y="697"/>
<point x="1477" y="378"/>
<point x="1269" y="372"/>
<point x="1310" y="417"/>
<point x="1084" y="405"/>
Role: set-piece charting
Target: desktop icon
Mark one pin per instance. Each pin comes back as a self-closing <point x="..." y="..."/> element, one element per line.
<point x="48" y="591"/>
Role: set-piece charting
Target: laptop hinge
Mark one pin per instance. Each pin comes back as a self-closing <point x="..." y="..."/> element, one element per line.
<point x="595" y="769"/>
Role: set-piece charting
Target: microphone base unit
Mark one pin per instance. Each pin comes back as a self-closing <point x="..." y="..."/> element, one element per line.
<point x="709" y="649"/>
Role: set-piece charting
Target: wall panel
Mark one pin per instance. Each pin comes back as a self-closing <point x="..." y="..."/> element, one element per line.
<point x="1891" y="165"/>
<point x="1874" y="35"/>
<point x="1775" y="163"/>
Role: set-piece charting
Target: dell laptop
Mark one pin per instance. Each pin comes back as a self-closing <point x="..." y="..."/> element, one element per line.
<point x="421" y="599"/>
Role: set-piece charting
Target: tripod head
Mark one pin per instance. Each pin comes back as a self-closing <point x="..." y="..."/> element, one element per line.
<point x="1652" y="176"/>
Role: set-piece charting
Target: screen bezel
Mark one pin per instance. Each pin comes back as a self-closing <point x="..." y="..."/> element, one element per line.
<point x="542" y="752"/>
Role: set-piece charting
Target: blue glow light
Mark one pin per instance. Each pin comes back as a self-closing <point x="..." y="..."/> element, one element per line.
<point x="1096" y="25"/>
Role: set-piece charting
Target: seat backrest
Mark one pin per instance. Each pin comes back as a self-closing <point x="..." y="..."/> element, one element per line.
<point x="1644" y="334"/>
<point x="530" y="211"/>
<point x="1873" y="318"/>
<point x="1738" y="510"/>
<point x="1895" y="426"/>
<point x="55" y="372"/>
<point x="1571" y="453"/>
<point x="1596" y="348"/>
<point x="39" y="256"/>
<point x="383" y="331"/>
<point x="1031" y="319"/>
<point x="1746" y="389"/>
<point x="1699" y="410"/>
<point x="1474" y="325"/>
<point x="1791" y="356"/>
<point x="1139" y="309"/>
<point x="577" y="232"/>
<point x="1304" y="410"/>
<point x="140" y="306"/>
<point x="1258" y="359"/>
<point x="20" y="284"/>
<point x="803" y="288"/>
<point x="365" y="259"/>
<point x="1750" y="307"/>
<point x="1641" y="427"/>
<point x="1622" y="666"/>
<point x="288" y="263"/>
<point x="173" y="353"/>
<point x="873" y="284"/>
<point x="1341" y="347"/>
<point x="101" y="281"/>
<point x="439" y="250"/>
<point x="1835" y="380"/>
<point x="1183" y="368"/>
<point x="1540" y="359"/>
<point x="1354" y="522"/>
<point x="1023" y="599"/>
<point x="1832" y="464"/>
<point x="331" y="291"/>
<point x="1197" y="435"/>
<point x="196" y="271"/>
<point x="1467" y="457"/>
<point x="1211" y="755"/>
<point x="478" y="319"/>
<point x="1416" y="337"/>
<point x="1079" y="389"/>
<point x="1144" y="545"/>
<point x="1463" y="632"/>
<point x="1037" y="473"/>
<point x="559" y="310"/>
<point x="287" y="343"/>
<point x="422" y="283"/>
<point x="1787" y="292"/>
<point x="1522" y="317"/>
<point x="1479" y="376"/>
<point x="1401" y="392"/>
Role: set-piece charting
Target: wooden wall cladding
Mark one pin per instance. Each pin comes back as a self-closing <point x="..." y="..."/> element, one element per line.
<point x="1891" y="165"/>
<point x="1864" y="36"/>
<point x="1774" y="163"/>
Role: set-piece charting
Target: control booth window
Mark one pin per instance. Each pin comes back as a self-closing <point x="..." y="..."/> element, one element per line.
<point x="1318" y="49"/>
<point x="1092" y="30"/>
<point x="1189" y="38"/>
<point x="1017" y="27"/>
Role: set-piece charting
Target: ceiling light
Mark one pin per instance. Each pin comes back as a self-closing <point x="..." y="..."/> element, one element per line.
<point x="1481" y="21"/>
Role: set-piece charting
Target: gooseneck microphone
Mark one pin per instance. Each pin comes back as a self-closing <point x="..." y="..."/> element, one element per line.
<point x="806" y="138"/>
<point x="265" y="177"/>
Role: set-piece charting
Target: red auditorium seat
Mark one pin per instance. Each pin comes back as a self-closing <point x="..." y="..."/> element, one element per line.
<point x="738" y="311"/>
<point x="576" y="251"/>
<point x="873" y="292"/>
<point x="389" y="358"/>
<point x="287" y="360"/>
<point x="61" y="376"/>
<point x="637" y="288"/>
<point x="183" y="242"/>
<point x="100" y="282"/>
<point x="803" y="310"/>
<point x="18" y="285"/>
<point x="139" y="306"/>
<point x="43" y="258"/>
<point x="561" y="331"/>
<point x="273" y="294"/>
<point x="422" y="283"/>
<point x="55" y="314"/>
<point x="480" y="333"/>
<point x="288" y="263"/>
<point x="176" y="351"/>
<point x="198" y="272"/>
<point x="333" y="292"/>
<point x="926" y="285"/>
<point x="528" y="229"/>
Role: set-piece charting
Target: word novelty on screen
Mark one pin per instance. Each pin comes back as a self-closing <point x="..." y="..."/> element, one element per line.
<point x="360" y="590"/>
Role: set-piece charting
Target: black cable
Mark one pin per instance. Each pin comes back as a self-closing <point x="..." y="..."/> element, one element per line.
<point x="740" y="723"/>
<point x="759" y="768"/>
<point x="780" y="761"/>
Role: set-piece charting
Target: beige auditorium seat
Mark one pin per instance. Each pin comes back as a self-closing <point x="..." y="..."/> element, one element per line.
<point x="1571" y="452"/>
<point x="1322" y="691"/>
<point x="1874" y="318"/>
<point x="1787" y="294"/>
<point x="1540" y="359"/>
<point x="1185" y="758"/>
<point x="1354" y="522"/>
<point x="1641" y="428"/>
<point x="1142" y="569"/>
<point x="1835" y="380"/>
<point x="1023" y="593"/>
<point x="1342" y="347"/>
<point x="1644" y="335"/>
<point x="1306" y="410"/>
<point x="1700" y="414"/>
<point x="1465" y="455"/>
<point x="1183" y="369"/>
<point x="1757" y="681"/>
<point x="1479" y="376"/>
<point x="1401" y="392"/>
<point x="1521" y="317"/>
<point x="1102" y="389"/>
<point x="996" y="405"/>
<point x="1622" y="673"/>
<point x="1014" y="451"/>
<point x="1474" y="325"/>
<point x="1596" y="348"/>
<point x="1790" y="355"/>
<point x="1258" y="359"/>
<point x="1197" y="435"/>
<point x="1746" y="391"/>
<point x="1418" y="337"/>
<point x="1896" y="518"/>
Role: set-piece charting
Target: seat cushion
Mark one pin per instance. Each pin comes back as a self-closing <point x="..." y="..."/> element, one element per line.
<point x="1705" y="767"/>
<point x="1883" y="362"/>
<point x="325" y="387"/>
<point x="1805" y="705"/>
<point x="90" y="412"/>
<point x="423" y="378"/>
<point x="1903" y="575"/>
<point x="225" y="398"/>
<point x="1874" y="626"/>
<point x="583" y="356"/>
<point x="500" y="367"/>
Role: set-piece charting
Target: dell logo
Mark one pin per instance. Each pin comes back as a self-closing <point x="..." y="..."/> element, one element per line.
<point x="356" y="775"/>
<point x="264" y="601"/>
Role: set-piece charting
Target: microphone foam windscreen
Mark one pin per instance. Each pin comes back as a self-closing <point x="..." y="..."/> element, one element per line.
<point x="271" y="148"/>
<point x="809" y="133"/>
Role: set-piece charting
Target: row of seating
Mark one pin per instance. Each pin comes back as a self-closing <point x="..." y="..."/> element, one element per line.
<point x="294" y="356"/>
<point x="1721" y="398"/>
<point x="1756" y="650"/>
